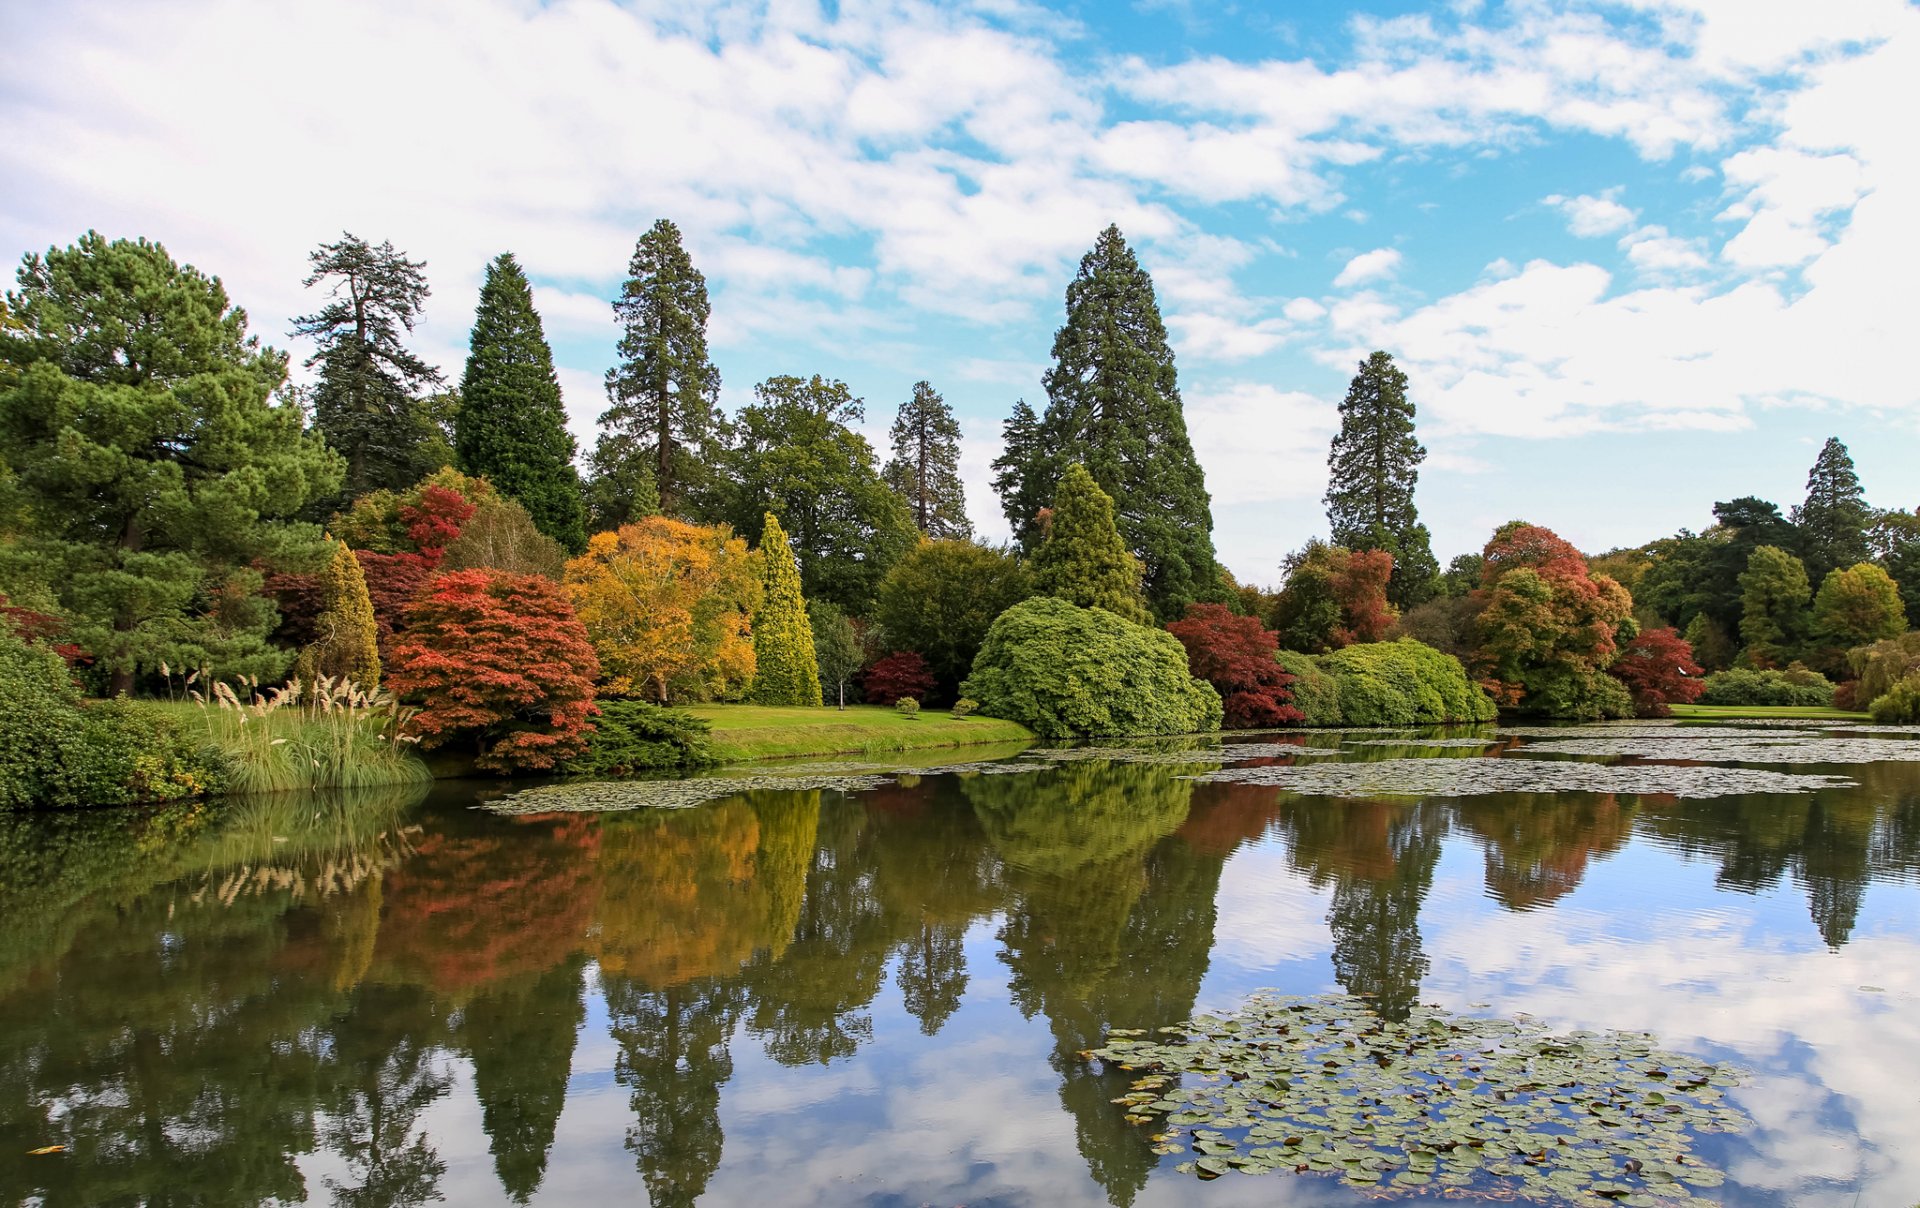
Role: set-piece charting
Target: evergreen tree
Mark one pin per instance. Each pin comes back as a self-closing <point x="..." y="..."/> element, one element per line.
<point x="1023" y="477"/>
<point x="152" y="469"/>
<point x="511" y="428"/>
<point x="925" y="468"/>
<point x="663" y="393"/>
<point x="1833" y="521"/>
<point x="365" y="402"/>
<point x="1372" y="469"/>
<point x="1084" y="561"/>
<point x="786" y="672"/>
<point x="346" y="641"/>
<point x="1773" y="617"/>
<point x="1114" y="407"/>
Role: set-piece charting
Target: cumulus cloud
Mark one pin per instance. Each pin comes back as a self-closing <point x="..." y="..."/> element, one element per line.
<point x="1588" y="215"/>
<point x="1368" y="266"/>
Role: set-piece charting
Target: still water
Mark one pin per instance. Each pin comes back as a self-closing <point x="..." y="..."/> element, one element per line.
<point x="880" y="995"/>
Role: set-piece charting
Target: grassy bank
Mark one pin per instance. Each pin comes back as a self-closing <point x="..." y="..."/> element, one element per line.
<point x="748" y="732"/>
<point x="1784" y="712"/>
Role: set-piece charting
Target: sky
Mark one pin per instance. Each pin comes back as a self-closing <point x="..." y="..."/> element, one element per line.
<point x="1634" y="257"/>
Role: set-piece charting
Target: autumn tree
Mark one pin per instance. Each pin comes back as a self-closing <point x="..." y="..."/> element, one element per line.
<point x="786" y="670"/>
<point x="668" y="607"/>
<point x="1372" y="469"/>
<point x="925" y="467"/>
<point x="1235" y="655"/>
<point x="499" y="660"/>
<point x="1658" y="669"/>
<point x="900" y="674"/>
<point x="1550" y="628"/>
<point x="1083" y="559"/>
<point x="1833" y="521"/>
<point x="941" y="598"/>
<point x="837" y="647"/>
<point x="1333" y="597"/>
<point x="1855" y="607"/>
<point x="345" y="642"/>
<point x="1773" y="610"/>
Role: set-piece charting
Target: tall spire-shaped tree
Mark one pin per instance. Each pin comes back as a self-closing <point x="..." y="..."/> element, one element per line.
<point x="1084" y="561"/>
<point x="925" y="468"/>
<point x="1022" y="476"/>
<point x="786" y="671"/>
<point x="662" y="396"/>
<point x="511" y="429"/>
<point x="1114" y="406"/>
<point x="1833" y="521"/>
<point x="1372" y="469"/>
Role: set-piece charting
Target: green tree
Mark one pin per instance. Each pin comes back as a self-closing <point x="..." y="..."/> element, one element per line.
<point x="511" y="429"/>
<point x="786" y="669"/>
<point x="520" y="1038"/>
<point x="345" y="639"/>
<point x="1114" y="407"/>
<point x="1895" y="540"/>
<point x="662" y="396"/>
<point x="366" y="402"/>
<point x="1022" y="478"/>
<point x="836" y="646"/>
<point x="925" y="468"/>
<point x="1372" y="469"/>
<point x="941" y="598"/>
<point x="1855" y="607"/>
<point x="1833" y="521"/>
<point x="1083" y="560"/>
<point x="153" y="469"/>
<point x="797" y="457"/>
<point x="620" y="493"/>
<point x="1773" y="611"/>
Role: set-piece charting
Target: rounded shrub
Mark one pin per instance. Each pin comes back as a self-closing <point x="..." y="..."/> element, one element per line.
<point x="966" y="706"/>
<point x="1900" y="704"/>
<point x="1741" y="686"/>
<point x="907" y="706"/>
<point x="39" y="719"/>
<point x="1315" y="693"/>
<point x="1404" y="683"/>
<point x="1064" y="671"/>
<point x="633" y="736"/>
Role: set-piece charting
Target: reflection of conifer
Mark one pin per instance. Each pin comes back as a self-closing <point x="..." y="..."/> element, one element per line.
<point x="933" y="973"/>
<point x="520" y="1039"/>
<point x="1834" y="863"/>
<point x="382" y="1072"/>
<point x="674" y="1060"/>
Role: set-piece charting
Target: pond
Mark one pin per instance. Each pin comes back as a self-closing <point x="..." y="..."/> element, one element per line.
<point x="858" y="983"/>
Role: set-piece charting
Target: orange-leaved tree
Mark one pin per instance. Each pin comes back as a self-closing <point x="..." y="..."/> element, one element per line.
<point x="669" y="607"/>
<point x="1550" y="628"/>
<point x="1333" y="597"/>
<point x="1657" y="667"/>
<point x="499" y="659"/>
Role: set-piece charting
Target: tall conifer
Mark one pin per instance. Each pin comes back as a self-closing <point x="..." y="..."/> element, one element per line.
<point x="786" y="671"/>
<point x="1083" y="560"/>
<point x="1833" y="521"/>
<point x="925" y="467"/>
<point x="1372" y="469"/>
<point x="511" y="429"/>
<point x="1022" y="476"/>
<point x="346" y="640"/>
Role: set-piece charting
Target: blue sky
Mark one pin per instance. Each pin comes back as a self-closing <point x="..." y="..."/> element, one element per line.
<point x="1635" y="257"/>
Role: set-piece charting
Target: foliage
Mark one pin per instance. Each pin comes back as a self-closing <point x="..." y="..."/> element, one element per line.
<point x="1833" y="520"/>
<point x="907" y="706"/>
<point x="1403" y="683"/>
<point x="149" y="462"/>
<point x="966" y="706"/>
<point x="1022" y="477"/>
<point x="797" y="457"/>
<point x="1773" y="606"/>
<point x="1236" y="656"/>
<point x="365" y="402"/>
<point x="1550" y="628"/>
<point x="1748" y="687"/>
<point x="1333" y="597"/>
<point x="1444" y="623"/>
<point x="1854" y="607"/>
<point x="421" y="519"/>
<point x="394" y="582"/>
<point x="511" y="428"/>
<point x="925" y="467"/>
<point x="1315" y="692"/>
<point x="1711" y="645"/>
<point x="1691" y="575"/>
<point x="631" y="736"/>
<point x="786" y="669"/>
<point x="1373" y="467"/>
<point x="1063" y="671"/>
<point x="1657" y="667"/>
<point x="941" y="598"/>
<point x="307" y="734"/>
<point x="501" y="660"/>
<point x="668" y="606"/>
<point x="620" y="494"/>
<point x="1895" y="540"/>
<point x="345" y="642"/>
<point x="662" y="418"/>
<point x="503" y="536"/>
<point x="1083" y="560"/>
<point x="837" y="647"/>
<point x="1899" y="704"/>
<point x="1884" y="664"/>
<point x="900" y="674"/>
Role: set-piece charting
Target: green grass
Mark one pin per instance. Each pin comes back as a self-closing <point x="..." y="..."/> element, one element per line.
<point x="1812" y="712"/>
<point x="742" y="733"/>
<point x="283" y="749"/>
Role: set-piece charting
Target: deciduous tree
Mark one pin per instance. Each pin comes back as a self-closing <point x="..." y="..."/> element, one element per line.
<point x="900" y="674"/>
<point x="925" y="467"/>
<point x="1084" y="560"/>
<point x="837" y="647"/>
<point x="1855" y="607"/>
<point x="1235" y="655"/>
<point x="1658" y="669"/>
<point x="941" y="598"/>
<point x="1333" y="597"/>
<point x="1372" y="469"/>
<point x="1550" y="628"/>
<point x="1773" y="611"/>
<point x="786" y="670"/>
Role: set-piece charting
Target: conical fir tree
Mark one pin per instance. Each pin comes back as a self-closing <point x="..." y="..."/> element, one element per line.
<point x="1833" y="521"/>
<point x="511" y="429"/>
<point x="1114" y="406"/>
<point x="1023" y="476"/>
<point x="662" y="394"/>
<point x="925" y="468"/>
<point x="1372" y="469"/>
<point x="1083" y="560"/>
<point x="786" y="672"/>
<point x="346" y="641"/>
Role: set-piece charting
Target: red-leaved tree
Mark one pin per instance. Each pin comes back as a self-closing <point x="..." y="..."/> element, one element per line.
<point x="499" y="659"/>
<point x="1360" y="585"/>
<point x="434" y="520"/>
<point x="1235" y="655"/>
<point x="43" y="627"/>
<point x="902" y="673"/>
<point x="1658" y="668"/>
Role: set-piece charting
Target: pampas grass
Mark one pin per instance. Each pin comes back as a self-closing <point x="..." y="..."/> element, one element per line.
<point x="322" y="733"/>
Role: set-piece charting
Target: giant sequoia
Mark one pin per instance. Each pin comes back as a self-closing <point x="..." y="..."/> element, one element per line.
<point x="1372" y="469"/>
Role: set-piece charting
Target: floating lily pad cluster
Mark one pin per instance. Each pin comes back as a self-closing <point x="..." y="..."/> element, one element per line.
<point x="1423" y="742"/>
<point x="1437" y="1102"/>
<point x="1475" y="777"/>
<point x="1753" y="747"/>
<point x="603" y="796"/>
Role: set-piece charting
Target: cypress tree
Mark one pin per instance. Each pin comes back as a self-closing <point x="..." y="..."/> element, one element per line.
<point x="1084" y="561"/>
<point x="511" y="428"/>
<point x="346" y="640"/>
<point x="925" y="468"/>
<point x="1372" y="468"/>
<point x="663" y="393"/>
<point x="785" y="669"/>
<point x="1114" y="406"/>
<point x="1022" y="476"/>
<point x="1833" y="521"/>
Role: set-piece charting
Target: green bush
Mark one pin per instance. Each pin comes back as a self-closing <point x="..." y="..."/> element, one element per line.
<point x="1064" y="671"/>
<point x="1797" y="686"/>
<point x="1404" y="683"/>
<point x="907" y="706"/>
<point x="966" y="706"/>
<point x="1900" y="704"/>
<point x="1315" y="693"/>
<point x="631" y="736"/>
<point x="39" y="719"/>
<point x="1574" y="693"/>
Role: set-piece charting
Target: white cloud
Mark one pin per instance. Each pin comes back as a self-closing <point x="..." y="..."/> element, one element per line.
<point x="1368" y="266"/>
<point x="1588" y="216"/>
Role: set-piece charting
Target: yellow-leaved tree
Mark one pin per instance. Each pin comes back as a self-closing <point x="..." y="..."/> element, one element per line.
<point x="669" y="607"/>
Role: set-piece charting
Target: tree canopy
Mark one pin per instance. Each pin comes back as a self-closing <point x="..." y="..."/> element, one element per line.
<point x="1083" y="559"/>
<point x="1371" y="472"/>
<point x="925" y="467"/>
<point x="1833" y="520"/>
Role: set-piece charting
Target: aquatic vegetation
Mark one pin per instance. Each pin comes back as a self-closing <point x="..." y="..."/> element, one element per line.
<point x="1750" y="748"/>
<point x="1424" y="742"/>
<point x="1472" y="777"/>
<point x="602" y="796"/>
<point x="1434" y="1102"/>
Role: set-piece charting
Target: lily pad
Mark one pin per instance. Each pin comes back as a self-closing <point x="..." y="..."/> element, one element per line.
<point x="1476" y="777"/>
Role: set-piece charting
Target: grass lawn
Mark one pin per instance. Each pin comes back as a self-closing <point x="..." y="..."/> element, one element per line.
<point x="747" y="732"/>
<point x="1809" y="712"/>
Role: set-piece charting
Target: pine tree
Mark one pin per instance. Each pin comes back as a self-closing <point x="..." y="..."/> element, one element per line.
<point x="1774" y="592"/>
<point x="1114" y="406"/>
<point x="367" y="402"/>
<point x="925" y="468"/>
<point x="786" y="672"/>
<point x="1084" y="561"/>
<point x="1373" y="466"/>
<point x="346" y="640"/>
<point x="1833" y="521"/>
<point x="1022" y="476"/>
<point x="663" y="394"/>
<point x="511" y="428"/>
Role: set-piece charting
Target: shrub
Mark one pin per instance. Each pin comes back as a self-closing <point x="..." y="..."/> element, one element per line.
<point x="1235" y="655"/>
<point x="1884" y="664"/>
<point x="902" y="673"/>
<point x="1900" y="704"/>
<point x="1316" y="694"/>
<point x="906" y="706"/>
<point x="1742" y="686"/>
<point x="631" y="736"/>
<point x="1062" y="671"/>
<point x="39" y="719"/>
<point x="1404" y="683"/>
<point x="966" y="706"/>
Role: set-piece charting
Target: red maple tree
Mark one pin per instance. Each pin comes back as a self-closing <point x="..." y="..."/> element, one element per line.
<point x="1235" y="655"/>
<point x="902" y="673"/>
<point x="1658" y="668"/>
